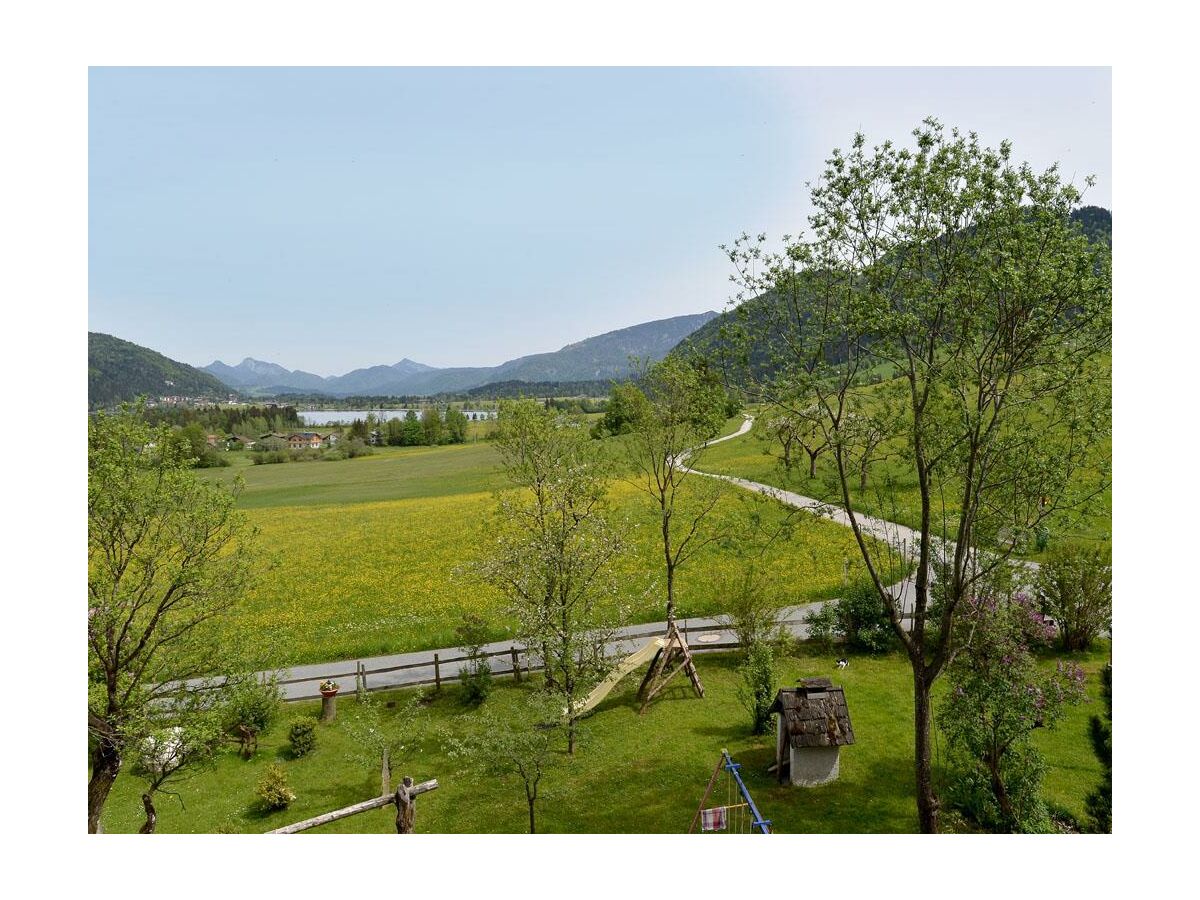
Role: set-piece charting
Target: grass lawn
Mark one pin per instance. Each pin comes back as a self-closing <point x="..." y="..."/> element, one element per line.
<point x="631" y="774"/>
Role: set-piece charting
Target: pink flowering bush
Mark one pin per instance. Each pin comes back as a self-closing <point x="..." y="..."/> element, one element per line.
<point x="998" y="695"/>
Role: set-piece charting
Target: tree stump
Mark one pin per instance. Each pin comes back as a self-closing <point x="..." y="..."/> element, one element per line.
<point x="328" y="707"/>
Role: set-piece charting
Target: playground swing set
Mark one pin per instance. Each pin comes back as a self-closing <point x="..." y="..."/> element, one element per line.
<point x="739" y="815"/>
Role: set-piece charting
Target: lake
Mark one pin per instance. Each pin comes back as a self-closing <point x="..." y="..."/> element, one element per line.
<point x="346" y="416"/>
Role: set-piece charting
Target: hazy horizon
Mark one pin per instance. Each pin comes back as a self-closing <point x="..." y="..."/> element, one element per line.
<point x="333" y="219"/>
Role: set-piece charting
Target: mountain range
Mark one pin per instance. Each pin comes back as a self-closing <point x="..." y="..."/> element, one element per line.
<point x="599" y="358"/>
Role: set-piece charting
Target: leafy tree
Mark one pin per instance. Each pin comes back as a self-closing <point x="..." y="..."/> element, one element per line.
<point x="626" y="405"/>
<point x="753" y="615"/>
<point x="963" y="273"/>
<point x="476" y="675"/>
<point x="1074" y="586"/>
<point x="799" y="431"/>
<point x="379" y="738"/>
<point x="1099" y="802"/>
<point x="431" y="423"/>
<point x="997" y="697"/>
<point x="414" y="433"/>
<point x="684" y="406"/>
<point x="757" y="690"/>
<point x="395" y="432"/>
<point x="183" y="741"/>
<point x="168" y="556"/>
<point x="456" y="426"/>
<point x="251" y="704"/>
<point x="519" y="745"/>
<point x="554" y="549"/>
<point x="358" y="430"/>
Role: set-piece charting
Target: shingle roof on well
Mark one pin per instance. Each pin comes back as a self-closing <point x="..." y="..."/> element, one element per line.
<point x="815" y="714"/>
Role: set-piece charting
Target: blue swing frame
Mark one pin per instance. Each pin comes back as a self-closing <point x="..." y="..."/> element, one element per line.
<point x="763" y="825"/>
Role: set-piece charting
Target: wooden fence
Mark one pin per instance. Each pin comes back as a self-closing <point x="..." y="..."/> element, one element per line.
<point x="515" y="661"/>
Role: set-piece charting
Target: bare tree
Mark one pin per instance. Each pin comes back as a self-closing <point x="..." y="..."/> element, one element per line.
<point x="684" y="407"/>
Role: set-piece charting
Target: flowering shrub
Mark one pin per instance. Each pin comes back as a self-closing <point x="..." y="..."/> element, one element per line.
<point x="998" y="696"/>
<point x="1075" y="587"/>
<point x="273" y="790"/>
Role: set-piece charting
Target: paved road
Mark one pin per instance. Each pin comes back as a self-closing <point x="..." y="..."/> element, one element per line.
<point x="300" y="682"/>
<point x="703" y="634"/>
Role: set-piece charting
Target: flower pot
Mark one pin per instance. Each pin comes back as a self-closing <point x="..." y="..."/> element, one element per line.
<point x="330" y="693"/>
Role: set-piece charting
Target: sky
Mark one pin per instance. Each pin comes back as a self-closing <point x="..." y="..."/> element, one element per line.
<point x="330" y="219"/>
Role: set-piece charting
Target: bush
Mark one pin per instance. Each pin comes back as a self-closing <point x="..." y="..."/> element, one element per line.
<point x="476" y="675"/>
<point x="302" y="735"/>
<point x="1074" y="588"/>
<point x="270" y="457"/>
<point x="860" y="620"/>
<point x="273" y="790"/>
<point x="211" y="459"/>
<point x="970" y="790"/>
<point x="253" y="703"/>
<point x="757" y="691"/>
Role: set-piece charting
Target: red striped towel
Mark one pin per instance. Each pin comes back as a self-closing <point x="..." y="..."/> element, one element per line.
<point x="712" y="819"/>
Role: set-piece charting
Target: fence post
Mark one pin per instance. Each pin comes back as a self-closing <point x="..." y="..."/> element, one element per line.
<point x="437" y="673"/>
<point x="516" y="665"/>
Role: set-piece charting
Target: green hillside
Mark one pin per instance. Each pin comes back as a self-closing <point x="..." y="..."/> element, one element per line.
<point x="120" y="370"/>
<point x="716" y="339"/>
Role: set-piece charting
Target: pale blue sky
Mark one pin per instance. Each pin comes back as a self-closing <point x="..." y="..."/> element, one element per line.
<point x="328" y="219"/>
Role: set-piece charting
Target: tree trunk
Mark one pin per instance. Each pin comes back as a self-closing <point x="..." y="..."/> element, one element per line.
<point x="927" y="801"/>
<point x="812" y="465"/>
<point x="106" y="763"/>
<point x="151" y="815"/>
<point x="1001" y="794"/>
<point x="532" y="823"/>
<point x="547" y="669"/>
<point x="666" y="532"/>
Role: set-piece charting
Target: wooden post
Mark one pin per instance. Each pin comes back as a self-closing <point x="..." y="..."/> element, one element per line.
<point x="411" y="792"/>
<point x="516" y="664"/>
<point x="328" y="707"/>
<point x="437" y="673"/>
<point x="385" y="774"/>
<point x="406" y="807"/>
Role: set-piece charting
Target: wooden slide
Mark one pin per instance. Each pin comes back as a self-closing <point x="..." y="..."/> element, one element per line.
<point x="624" y="667"/>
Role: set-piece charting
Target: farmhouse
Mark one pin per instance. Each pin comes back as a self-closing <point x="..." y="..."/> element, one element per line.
<point x="238" y="442"/>
<point x="814" y="723"/>
<point x="305" y="440"/>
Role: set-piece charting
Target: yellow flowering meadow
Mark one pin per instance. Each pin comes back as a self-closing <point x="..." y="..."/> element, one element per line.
<point x="361" y="579"/>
